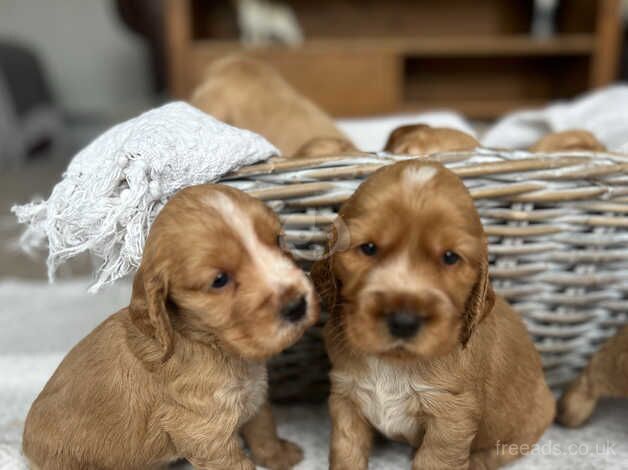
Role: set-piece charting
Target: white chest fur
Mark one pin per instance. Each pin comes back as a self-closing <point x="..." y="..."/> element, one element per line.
<point x="257" y="385"/>
<point x="389" y="398"/>
<point x="244" y="392"/>
<point x="253" y="392"/>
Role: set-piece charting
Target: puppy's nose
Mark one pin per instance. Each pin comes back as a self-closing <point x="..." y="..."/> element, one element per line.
<point x="294" y="310"/>
<point x="403" y="324"/>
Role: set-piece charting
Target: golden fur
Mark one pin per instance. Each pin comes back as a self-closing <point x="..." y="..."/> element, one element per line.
<point x="421" y="139"/>
<point x="606" y="375"/>
<point x="181" y="370"/>
<point x="568" y="140"/>
<point x="252" y="95"/>
<point x="322" y="146"/>
<point x="470" y="378"/>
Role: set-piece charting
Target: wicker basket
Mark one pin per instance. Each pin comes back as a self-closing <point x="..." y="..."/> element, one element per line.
<point x="558" y="242"/>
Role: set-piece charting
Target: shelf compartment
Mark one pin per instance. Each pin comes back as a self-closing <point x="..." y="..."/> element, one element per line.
<point x="488" y="87"/>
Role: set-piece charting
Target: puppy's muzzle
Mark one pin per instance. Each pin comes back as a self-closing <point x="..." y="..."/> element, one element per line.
<point x="403" y="324"/>
<point x="294" y="310"/>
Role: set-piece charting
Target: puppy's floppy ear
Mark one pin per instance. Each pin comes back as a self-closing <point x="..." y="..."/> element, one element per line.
<point x="479" y="304"/>
<point x="322" y="274"/>
<point x="149" y="312"/>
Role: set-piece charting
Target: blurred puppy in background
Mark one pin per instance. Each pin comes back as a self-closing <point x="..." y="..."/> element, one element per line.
<point x="252" y="95"/>
<point x="606" y="375"/>
<point x="322" y="146"/>
<point x="421" y="349"/>
<point x="181" y="371"/>
<point x="568" y="140"/>
<point x="421" y="139"/>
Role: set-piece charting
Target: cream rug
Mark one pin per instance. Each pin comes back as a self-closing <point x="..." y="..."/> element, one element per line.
<point x="39" y="323"/>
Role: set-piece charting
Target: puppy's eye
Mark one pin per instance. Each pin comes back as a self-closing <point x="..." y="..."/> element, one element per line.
<point x="369" y="249"/>
<point x="450" y="257"/>
<point x="221" y="280"/>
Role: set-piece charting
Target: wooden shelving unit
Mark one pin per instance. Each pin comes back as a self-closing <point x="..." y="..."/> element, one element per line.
<point x="369" y="56"/>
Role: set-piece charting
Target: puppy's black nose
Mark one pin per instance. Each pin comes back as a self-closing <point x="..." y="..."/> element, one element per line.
<point x="403" y="324"/>
<point x="294" y="310"/>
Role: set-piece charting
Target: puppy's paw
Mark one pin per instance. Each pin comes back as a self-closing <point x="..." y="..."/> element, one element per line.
<point x="246" y="465"/>
<point x="577" y="403"/>
<point x="286" y="456"/>
<point x="575" y="407"/>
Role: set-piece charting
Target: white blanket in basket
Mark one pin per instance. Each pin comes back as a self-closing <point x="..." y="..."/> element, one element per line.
<point x="603" y="112"/>
<point x="113" y="189"/>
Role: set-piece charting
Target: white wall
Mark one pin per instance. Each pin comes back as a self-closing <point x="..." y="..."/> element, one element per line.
<point x="94" y="63"/>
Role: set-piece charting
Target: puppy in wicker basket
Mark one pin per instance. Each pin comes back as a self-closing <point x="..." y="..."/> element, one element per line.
<point x="573" y="139"/>
<point x="181" y="371"/>
<point x="421" y="348"/>
<point x="606" y="375"/>
<point x="250" y="94"/>
<point x="421" y="139"/>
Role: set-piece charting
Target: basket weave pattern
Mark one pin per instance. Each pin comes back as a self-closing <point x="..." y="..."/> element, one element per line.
<point x="557" y="226"/>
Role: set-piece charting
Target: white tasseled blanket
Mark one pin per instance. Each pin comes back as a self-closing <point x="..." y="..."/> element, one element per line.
<point x="113" y="189"/>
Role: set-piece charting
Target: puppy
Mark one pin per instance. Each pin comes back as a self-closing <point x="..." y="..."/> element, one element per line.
<point x="421" y="349"/>
<point x="421" y="139"/>
<point x="568" y="140"/>
<point x="606" y="375"/>
<point x="181" y="370"/>
<point x="323" y="146"/>
<point x="252" y="95"/>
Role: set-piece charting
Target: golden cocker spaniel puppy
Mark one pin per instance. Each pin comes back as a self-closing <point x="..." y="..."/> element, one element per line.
<point x="574" y="139"/>
<point x="180" y="372"/>
<point x="421" y="348"/>
<point x="421" y="139"/>
<point x="250" y="94"/>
